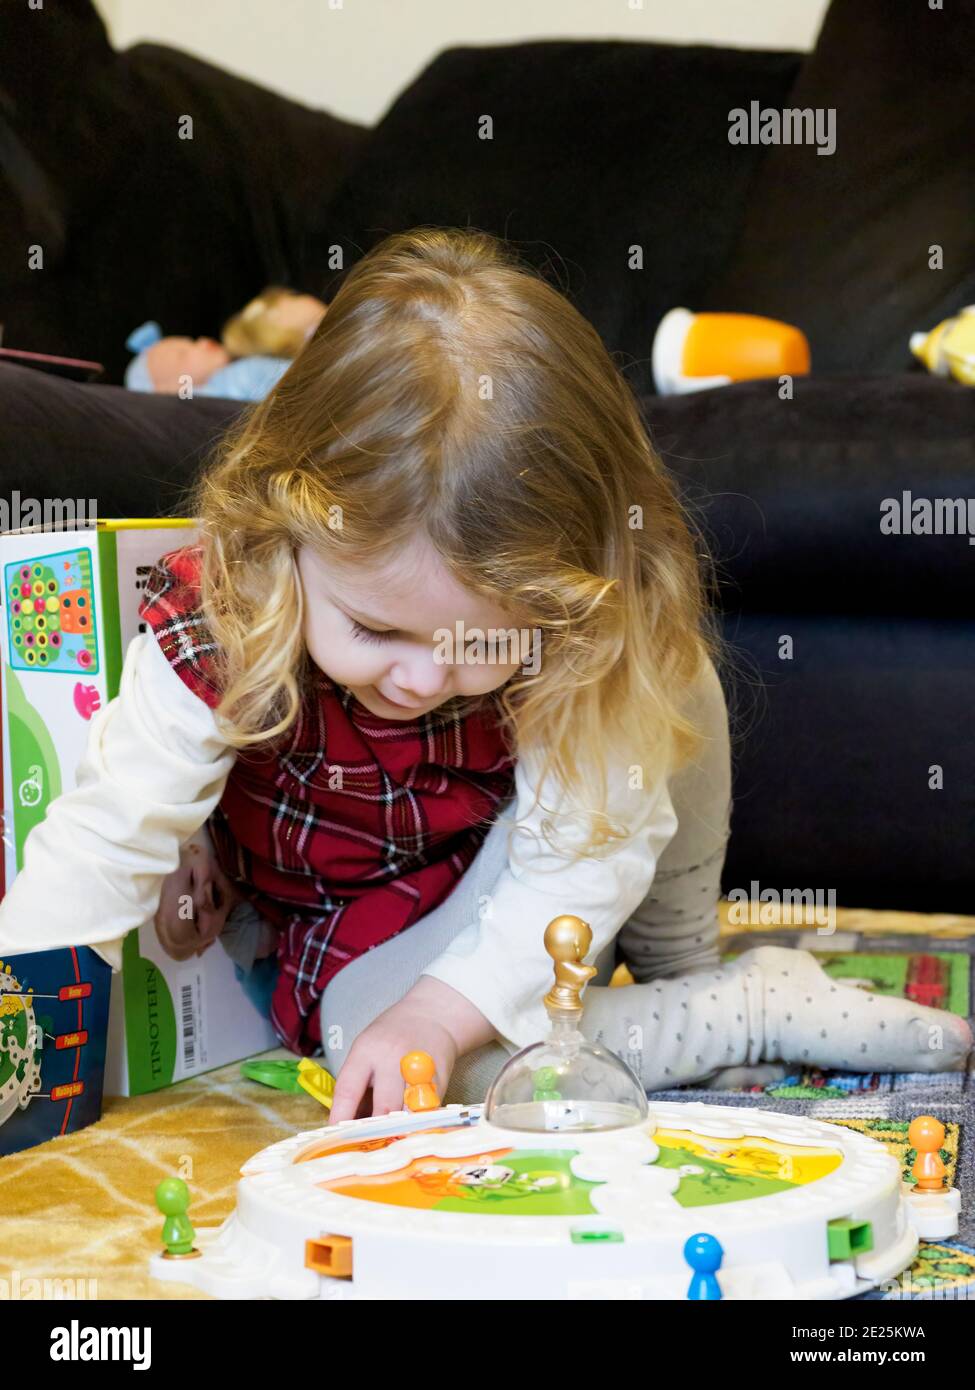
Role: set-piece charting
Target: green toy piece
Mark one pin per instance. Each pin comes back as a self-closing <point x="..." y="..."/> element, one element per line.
<point x="543" y="1081"/>
<point x="846" y="1238"/>
<point x="281" y="1074"/>
<point x="173" y="1199"/>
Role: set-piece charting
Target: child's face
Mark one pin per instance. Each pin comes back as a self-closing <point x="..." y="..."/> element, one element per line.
<point x="396" y="667"/>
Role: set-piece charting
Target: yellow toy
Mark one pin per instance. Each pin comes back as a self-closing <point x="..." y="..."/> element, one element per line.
<point x="316" y="1081"/>
<point x="949" y="349"/>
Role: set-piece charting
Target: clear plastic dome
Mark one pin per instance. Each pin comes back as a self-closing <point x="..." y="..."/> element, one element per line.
<point x="565" y="1083"/>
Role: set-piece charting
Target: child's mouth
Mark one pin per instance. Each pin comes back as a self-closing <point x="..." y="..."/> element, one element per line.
<point x="412" y="709"/>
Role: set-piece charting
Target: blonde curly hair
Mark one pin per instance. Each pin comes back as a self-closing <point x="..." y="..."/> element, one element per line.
<point x="451" y="391"/>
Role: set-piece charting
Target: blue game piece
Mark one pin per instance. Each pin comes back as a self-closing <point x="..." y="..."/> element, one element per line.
<point x="704" y="1255"/>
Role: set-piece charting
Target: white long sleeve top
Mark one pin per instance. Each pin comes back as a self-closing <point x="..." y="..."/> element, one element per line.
<point x="155" y="768"/>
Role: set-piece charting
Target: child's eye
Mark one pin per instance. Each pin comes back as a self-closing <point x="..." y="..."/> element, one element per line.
<point x="368" y="634"/>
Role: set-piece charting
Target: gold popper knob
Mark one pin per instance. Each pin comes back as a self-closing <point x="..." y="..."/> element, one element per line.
<point x="567" y="939"/>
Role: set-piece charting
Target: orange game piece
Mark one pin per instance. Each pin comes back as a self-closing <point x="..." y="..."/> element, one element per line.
<point x="418" y="1070"/>
<point x="926" y="1134"/>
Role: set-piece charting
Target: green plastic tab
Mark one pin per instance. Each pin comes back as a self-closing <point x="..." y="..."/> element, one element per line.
<point x="846" y="1239"/>
<point x="281" y="1074"/>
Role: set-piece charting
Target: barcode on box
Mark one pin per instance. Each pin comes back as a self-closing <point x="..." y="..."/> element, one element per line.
<point x="189" y="1027"/>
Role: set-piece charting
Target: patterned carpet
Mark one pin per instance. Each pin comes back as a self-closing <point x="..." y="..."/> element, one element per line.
<point x="77" y="1213"/>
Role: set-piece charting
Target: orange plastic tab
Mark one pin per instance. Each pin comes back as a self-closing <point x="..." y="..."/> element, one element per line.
<point x="744" y="346"/>
<point x="330" y="1255"/>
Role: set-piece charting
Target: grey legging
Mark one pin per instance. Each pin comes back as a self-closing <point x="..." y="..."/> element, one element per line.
<point x="674" y="930"/>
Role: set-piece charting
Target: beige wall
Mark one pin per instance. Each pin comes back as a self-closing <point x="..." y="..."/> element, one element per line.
<point x="354" y="56"/>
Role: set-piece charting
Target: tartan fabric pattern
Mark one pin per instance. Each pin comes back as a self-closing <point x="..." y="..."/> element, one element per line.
<point x="170" y="606"/>
<point x="349" y="829"/>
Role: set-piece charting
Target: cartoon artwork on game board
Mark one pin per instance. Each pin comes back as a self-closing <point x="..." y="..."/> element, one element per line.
<point x="526" y="1181"/>
<point x="53" y="1027"/>
<point x="51" y="613"/>
<point x="576" y="1187"/>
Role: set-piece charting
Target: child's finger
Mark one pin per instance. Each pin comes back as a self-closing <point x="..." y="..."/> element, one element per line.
<point x="387" y="1090"/>
<point x="350" y="1086"/>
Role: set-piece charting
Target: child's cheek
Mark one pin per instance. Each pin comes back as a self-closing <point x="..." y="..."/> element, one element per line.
<point x="335" y="651"/>
<point x="483" y="677"/>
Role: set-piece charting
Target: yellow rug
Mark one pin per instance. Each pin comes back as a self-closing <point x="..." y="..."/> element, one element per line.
<point x="77" y="1214"/>
<point x="78" y="1211"/>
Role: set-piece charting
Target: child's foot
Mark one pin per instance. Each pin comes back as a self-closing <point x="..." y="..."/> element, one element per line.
<point x="771" y="1005"/>
<point x="812" y="1019"/>
<point x="744" y="1078"/>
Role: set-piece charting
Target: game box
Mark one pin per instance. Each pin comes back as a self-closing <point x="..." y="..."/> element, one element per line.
<point x="70" y="610"/>
<point x="53" y="1030"/>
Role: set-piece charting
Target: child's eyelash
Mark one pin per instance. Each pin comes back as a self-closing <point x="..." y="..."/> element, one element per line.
<point x="368" y="634"/>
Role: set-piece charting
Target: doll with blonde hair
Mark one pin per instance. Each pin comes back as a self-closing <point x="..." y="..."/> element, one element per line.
<point x="440" y="669"/>
<point x="276" y="323"/>
<point x="256" y="348"/>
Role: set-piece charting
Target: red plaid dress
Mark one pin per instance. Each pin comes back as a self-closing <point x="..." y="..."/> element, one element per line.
<point x="350" y="829"/>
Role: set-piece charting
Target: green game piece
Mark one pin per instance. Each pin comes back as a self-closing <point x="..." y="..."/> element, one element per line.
<point x="543" y="1081"/>
<point x="173" y="1199"/>
<point x="281" y="1074"/>
<point x="597" y="1237"/>
<point x="847" y="1239"/>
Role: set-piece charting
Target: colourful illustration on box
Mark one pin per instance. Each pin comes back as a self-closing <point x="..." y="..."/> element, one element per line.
<point x="540" y="1182"/>
<point x="51" y="614"/>
<point x="35" y="772"/>
<point x="53" y="1022"/>
<point x="21" y="1045"/>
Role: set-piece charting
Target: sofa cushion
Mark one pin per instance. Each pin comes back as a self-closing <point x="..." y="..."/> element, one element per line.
<point x="833" y="753"/>
<point x="134" y="454"/>
<point x="839" y="244"/>
<point x="135" y="222"/>
<point x="597" y="146"/>
<point x="790" y="493"/>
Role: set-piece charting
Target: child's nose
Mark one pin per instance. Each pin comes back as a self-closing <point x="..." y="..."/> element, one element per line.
<point x="422" y="677"/>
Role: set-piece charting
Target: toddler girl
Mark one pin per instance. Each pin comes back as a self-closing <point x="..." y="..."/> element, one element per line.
<point x="437" y="671"/>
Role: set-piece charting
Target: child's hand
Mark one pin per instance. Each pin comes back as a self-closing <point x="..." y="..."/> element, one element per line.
<point x="195" y="901"/>
<point x="432" y="1018"/>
